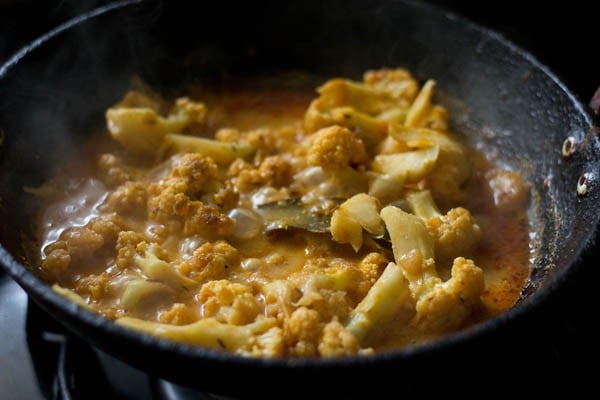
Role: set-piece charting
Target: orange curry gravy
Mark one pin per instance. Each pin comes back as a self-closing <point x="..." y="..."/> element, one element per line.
<point x="203" y="245"/>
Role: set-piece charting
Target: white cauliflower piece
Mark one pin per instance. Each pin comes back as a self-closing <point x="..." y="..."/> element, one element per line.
<point x="141" y="130"/>
<point x="440" y="306"/>
<point x="456" y="233"/>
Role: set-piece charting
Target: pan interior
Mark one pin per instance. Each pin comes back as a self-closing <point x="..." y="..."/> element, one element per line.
<point x="57" y="93"/>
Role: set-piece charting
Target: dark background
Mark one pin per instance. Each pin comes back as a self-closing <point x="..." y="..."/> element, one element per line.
<point x="564" y="35"/>
<point x="561" y="337"/>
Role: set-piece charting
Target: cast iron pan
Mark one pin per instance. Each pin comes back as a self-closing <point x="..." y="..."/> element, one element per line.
<point x="56" y="89"/>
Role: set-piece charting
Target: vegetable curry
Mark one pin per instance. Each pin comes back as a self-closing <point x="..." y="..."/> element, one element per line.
<point x="275" y="221"/>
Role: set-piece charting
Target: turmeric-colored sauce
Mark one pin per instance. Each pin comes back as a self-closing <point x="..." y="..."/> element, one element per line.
<point x="275" y="221"/>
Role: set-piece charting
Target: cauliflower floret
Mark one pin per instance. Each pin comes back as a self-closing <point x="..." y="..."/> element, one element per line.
<point x="197" y="217"/>
<point x="167" y="199"/>
<point x="456" y="233"/>
<point x="327" y="302"/>
<point x="335" y="147"/>
<point x="82" y="242"/>
<point x="178" y="314"/>
<point x="398" y="83"/>
<point x="227" y="135"/>
<point x="170" y="199"/>
<point x="280" y="296"/>
<point x="130" y="197"/>
<point x="152" y="261"/>
<point x="210" y="261"/>
<point x="337" y="341"/>
<point x="207" y="221"/>
<point x="301" y="331"/>
<point x="112" y="171"/>
<point x="227" y="196"/>
<point x="330" y="286"/>
<point x="322" y="113"/>
<point x="440" y="306"/>
<point x="274" y="171"/>
<point x="94" y="286"/>
<point x="448" y="304"/>
<point x="372" y="265"/>
<point x="228" y="302"/>
<point x="57" y="259"/>
<point x="141" y="130"/>
<point x="79" y="244"/>
<point x="197" y="170"/>
<point x="126" y="248"/>
<point x="365" y="108"/>
<point x="108" y="226"/>
<point x="509" y="190"/>
<point x="318" y="182"/>
<point x="384" y="299"/>
<point x="265" y="140"/>
<point x="268" y="344"/>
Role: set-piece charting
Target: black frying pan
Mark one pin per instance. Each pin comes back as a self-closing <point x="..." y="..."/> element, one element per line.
<point x="57" y="88"/>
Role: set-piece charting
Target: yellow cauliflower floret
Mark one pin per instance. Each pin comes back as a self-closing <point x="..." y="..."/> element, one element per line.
<point x="508" y="190"/>
<point x="82" y="242"/>
<point x="372" y="266"/>
<point x="301" y="331"/>
<point x="191" y="111"/>
<point x="335" y="147"/>
<point x="273" y="171"/>
<point x="126" y="245"/>
<point x="112" y="171"/>
<point x="57" y="259"/>
<point x="268" y="344"/>
<point x="197" y="170"/>
<point x="93" y="287"/>
<point x="130" y="197"/>
<point x="446" y="306"/>
<point x="337" y="341"/>
<point x="210" y="261"/>
<point x="178" y="314"/>
<point x="167" y="199"/>
<point x="79" y="244"/>
<point x="456" y="233"/>
<point x="264" y="140"/>
<point x="108" y="226"/>
<point x="330" y="286"/>
<point x="327" y="302"/>
<point x="171" y="199"/>
<point x="397" y="83"/>
<point x="207" y="221"/>
<point x="228" y="302"/>
<point x="141" y="130"/>
<point x="280" y="297"/>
